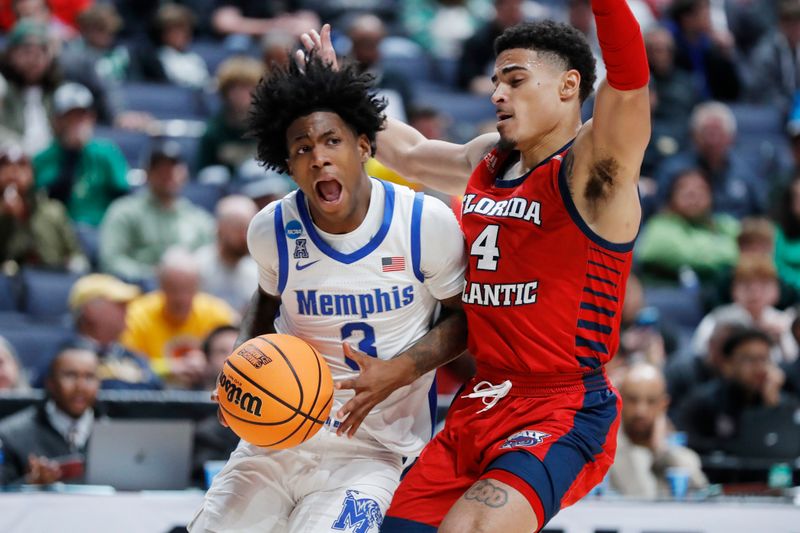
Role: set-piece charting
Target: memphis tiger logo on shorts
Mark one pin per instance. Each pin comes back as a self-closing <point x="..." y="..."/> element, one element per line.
<point x="525" y="439"/>
<point x="359" y="515"/>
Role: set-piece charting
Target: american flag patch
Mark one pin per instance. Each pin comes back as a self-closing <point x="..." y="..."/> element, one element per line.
<point x="393" y="264"/>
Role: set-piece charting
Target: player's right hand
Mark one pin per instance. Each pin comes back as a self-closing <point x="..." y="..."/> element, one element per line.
<point x="220" y="416"/>
<point x="320" y="45"/>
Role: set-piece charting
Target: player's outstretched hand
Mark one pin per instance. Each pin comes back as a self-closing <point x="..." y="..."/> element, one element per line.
<point x="320" y="44"/>
<point x="377" y="380"/>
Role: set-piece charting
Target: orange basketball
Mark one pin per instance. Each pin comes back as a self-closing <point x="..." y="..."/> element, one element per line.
<point x="275" y="391"/>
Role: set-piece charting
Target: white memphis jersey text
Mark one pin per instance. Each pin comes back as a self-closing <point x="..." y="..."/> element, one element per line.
<point x="380" y="297"/>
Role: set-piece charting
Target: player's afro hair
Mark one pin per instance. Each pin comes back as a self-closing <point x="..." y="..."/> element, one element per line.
<point x="290" y="93"/>
<point x="562" y="40"/>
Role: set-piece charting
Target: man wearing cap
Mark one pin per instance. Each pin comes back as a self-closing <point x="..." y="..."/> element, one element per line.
<point x="34" y="230"/>
<point x="138" y="229"/>
<point x="84" y="173"/>
<point x="27" y="66"/>
<point x="99" y="305"/>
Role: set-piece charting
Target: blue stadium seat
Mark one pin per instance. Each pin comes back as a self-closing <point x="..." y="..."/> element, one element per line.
<point x="190" y="147"/>
<point x="89" y="237"/>
<point x="213" y="53"/>
<point x="677" y="306"/>
<point x="9" y="293"/>
<point x="133" y="144"/>
<point x="462" y="108"/>
<point x="205" y="195"/>
<point x="164" y="101"/>
<point x="45" y="293"/>
<point x="414" y="68"/>
<point x="36" y="344"/>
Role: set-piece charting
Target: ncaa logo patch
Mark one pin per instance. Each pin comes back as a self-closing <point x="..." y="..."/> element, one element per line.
<point x="294" y="229"/>
<point x="359" y="515"/>
<point x="525" y="439"/>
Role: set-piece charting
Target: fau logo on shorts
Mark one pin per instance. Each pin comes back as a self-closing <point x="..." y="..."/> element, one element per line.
<point x="358" y="515"/>
<point x="525" y="439"/>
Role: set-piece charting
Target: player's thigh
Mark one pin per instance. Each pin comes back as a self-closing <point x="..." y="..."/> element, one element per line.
<point x="355" y="498"/>
<point x="249" y="494"/>
<point x="489" y="506"/>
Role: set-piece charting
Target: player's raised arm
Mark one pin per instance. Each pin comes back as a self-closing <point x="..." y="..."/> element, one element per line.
<point x="620" y="128"/>
<point x="437" y="164"/>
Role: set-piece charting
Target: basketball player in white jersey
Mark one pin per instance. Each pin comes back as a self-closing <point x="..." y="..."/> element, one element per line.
<point x="347" y="260"/>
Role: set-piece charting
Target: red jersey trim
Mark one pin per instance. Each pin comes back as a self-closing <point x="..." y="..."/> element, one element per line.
<point x="566" y="197"/>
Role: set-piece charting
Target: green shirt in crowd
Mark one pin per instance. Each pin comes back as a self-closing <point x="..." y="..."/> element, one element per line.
<point x="787" y="258"/>
<point x="669" y="242"/>
<point x="137" y="230"/>
<point x="99" y="177"/>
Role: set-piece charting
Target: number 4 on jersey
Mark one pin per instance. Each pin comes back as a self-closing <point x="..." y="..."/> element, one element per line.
<point x="485" y="248"/>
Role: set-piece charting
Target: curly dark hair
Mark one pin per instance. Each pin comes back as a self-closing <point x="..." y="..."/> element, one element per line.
<point x="288" y="94"/>
<point x="561" y="40"/>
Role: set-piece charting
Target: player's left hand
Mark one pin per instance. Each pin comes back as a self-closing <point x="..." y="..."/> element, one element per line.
<point x="319" y="44"/>
<point x="377" y="380"/>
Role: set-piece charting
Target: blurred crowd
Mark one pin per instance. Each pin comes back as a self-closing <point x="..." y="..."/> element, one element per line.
<point x="127" y="185"/>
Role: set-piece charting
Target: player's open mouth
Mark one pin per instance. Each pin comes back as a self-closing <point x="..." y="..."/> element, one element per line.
<point x="328" y="190"/>
<point x="502" y="116"/>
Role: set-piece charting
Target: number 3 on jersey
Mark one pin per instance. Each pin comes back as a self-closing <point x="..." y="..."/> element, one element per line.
<point x="367" y="344"/>
<point x="485" y="248"/>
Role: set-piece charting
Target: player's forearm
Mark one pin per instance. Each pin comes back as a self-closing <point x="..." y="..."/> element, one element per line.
<point x="443" y="343"/>
<point x="259" y="319"/>
<point x="621" y="44"/>
<point x="395" y="145"/>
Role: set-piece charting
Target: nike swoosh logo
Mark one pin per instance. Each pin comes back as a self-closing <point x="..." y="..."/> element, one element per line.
<point x="298" y="266"/>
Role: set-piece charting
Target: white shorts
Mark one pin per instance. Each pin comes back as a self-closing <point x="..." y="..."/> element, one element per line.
<point x="328" y="483"/>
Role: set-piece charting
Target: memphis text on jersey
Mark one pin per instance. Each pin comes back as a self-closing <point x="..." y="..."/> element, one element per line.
<point x="486" y="248"/>
<point x="315" y="303"/>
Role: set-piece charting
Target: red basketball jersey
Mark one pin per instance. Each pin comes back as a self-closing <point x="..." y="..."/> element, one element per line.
<point x="544" y="293"/>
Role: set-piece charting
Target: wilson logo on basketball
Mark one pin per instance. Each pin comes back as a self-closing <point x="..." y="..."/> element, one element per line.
<point x="233" y="392"/>
<point x="254" y="356"/>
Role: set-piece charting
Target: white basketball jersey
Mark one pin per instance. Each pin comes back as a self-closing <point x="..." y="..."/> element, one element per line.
<point x="373" y="298"/>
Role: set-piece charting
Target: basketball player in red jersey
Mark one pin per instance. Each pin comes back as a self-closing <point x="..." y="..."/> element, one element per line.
<point x="550" y="213"/>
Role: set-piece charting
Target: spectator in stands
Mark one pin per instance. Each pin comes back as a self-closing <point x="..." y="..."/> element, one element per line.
<point x="27" y="65"/>
<point x="138" y="229"/>
<point x="212" y="440"/>
<point x="34" y="230"/>
<point x="57" y="16"/>
<point x="775" y="69"/>
<point x="172" y="60"/>
<point x="224" y="141"/>
<point x="685" y="374"/>
<point x="792" y="370"/>
<point x="756" y="237"/>
<point x="477" y="56"/>
<point x="84" y="173"/>
<point x="12" y="375"/>
<point x="264" y="186"/>
<point x="276" y="49"/>
<point x="441" y="26"/>
<point x="674" y="100"/>
<point x="687" y="233"/>
<point x="755" y="291"/>
<point x="706" y="52"/>
<point x="99" y="305"/>
<point x="257" y="18"/>
<point x="787" y="235"/>
<point x="38" y="439"/>
<point x="644" y="450"/>
<point x="169" y="325"/>
<point x="750" y="379"/>
<point x="366" y="33"/>
<point x="226" y="269"/>
<point x="579" y="15"/>
<point x="217" y="346"/>
<point x="736" y="188"/>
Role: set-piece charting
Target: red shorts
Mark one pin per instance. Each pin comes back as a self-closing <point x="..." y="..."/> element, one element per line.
<point x="552" y="443"/>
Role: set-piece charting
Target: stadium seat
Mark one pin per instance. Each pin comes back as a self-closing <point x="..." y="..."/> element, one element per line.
<point x="45" y="293"/>
<point x="678" y="307"/>
<point x="462" y="108"/>
<point x="164" y="101"/>
<point x="212" y="52"/>
<point x="413" y="68"/>
<point x="205" y="195"/>
<point x="89" y="237"/>
<point x="133" y="144"/>
<point x="9" y="293"/>
<point x="36" y="343"/>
